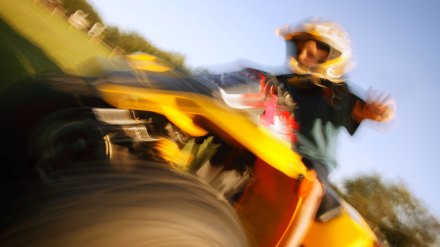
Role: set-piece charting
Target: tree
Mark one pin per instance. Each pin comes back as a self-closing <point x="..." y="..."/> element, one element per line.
<point x="392" y="210"/>
<point x="131" y="42"/>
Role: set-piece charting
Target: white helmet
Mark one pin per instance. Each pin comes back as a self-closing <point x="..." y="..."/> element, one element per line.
<point x="327" y="32"/>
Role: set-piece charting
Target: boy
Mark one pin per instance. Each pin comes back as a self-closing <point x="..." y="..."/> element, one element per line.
<point x="318" y="54"/>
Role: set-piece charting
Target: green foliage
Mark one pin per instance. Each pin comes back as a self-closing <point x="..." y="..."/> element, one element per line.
<point x="393" y="210"/>
<point x="131" y="42"/>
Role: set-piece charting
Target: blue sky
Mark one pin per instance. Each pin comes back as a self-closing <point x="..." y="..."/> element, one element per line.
<point x="395" y="51"/>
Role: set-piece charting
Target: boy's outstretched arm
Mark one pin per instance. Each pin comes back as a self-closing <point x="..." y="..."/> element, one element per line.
<point x="378" y="108"/>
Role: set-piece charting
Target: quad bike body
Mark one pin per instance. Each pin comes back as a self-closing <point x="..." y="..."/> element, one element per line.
<point x="128" y="117"/>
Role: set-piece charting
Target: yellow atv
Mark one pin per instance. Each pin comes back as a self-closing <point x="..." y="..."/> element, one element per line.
<point x="134" y="152"/>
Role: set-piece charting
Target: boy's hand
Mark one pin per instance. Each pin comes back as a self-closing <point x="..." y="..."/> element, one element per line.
<point x="378" y="107"/>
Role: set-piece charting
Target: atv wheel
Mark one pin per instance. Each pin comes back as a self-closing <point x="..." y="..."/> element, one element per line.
<point x="149" y="206"/>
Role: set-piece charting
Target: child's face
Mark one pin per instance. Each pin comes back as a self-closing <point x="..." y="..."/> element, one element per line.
<point x="311" y="52"/>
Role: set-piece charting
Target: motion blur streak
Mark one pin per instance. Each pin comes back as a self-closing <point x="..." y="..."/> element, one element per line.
<point x="149" y="206"/>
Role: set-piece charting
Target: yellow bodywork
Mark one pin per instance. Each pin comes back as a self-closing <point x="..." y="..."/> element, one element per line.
<point x="235" y="123"/>
<point x="146" y="62"/>
<point x="349" y="229"/>
<point x="269" y="204"/>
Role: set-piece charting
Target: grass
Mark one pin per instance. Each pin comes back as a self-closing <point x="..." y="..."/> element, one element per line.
<point x="33" y="40"/>
<point x="20" y="59"/>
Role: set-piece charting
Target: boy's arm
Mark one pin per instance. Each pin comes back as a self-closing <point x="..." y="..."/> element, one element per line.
<point x="377" y="110"/>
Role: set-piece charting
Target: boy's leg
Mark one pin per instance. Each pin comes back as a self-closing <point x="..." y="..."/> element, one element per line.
<point x="330" y="207"/>
<point x="308" y="211"/>
<point x="305" y="216"/>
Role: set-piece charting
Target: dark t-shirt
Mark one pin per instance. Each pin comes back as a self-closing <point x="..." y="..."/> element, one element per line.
<point x="321" y="110"/>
